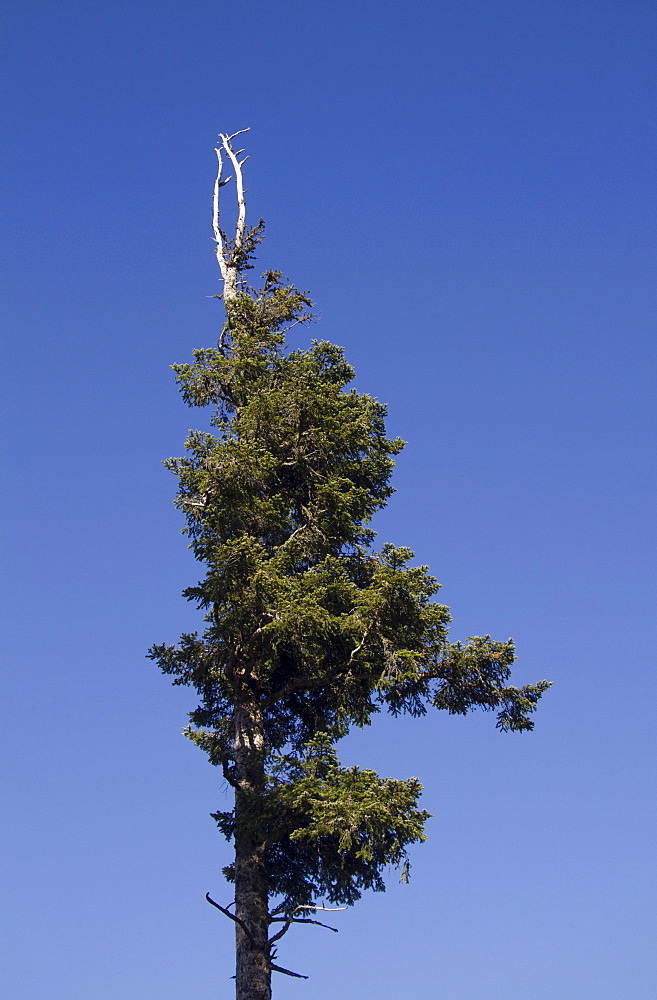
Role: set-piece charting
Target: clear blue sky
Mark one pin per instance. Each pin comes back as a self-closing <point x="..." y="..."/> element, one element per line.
<point x="467" y="189"/>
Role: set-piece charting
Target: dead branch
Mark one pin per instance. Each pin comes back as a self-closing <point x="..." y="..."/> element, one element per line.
<point x="325" y="909"/>
<point x="232" y="916"/>
<point x="237" y="166"/>
<point x="286" y="972"/>
<point x="288" y="921"/>
<point x="218" y="235"/>
<point x="298" y="920"/>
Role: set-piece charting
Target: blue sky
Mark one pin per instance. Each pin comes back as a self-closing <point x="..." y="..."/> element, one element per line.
<point x="467" y="189"/>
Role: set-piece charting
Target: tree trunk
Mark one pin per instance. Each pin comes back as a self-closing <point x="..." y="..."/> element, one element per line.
<point x="253" y="968"/>
<point x="230" y="284"/>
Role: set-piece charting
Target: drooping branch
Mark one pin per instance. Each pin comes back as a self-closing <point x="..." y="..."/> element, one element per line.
<point x="228" y="254"/>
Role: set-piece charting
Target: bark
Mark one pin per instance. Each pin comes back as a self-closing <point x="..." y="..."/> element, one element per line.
<point x="253" y="966"/>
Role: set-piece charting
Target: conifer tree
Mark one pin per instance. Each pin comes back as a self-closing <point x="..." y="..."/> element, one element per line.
<point x="307" y="630"/>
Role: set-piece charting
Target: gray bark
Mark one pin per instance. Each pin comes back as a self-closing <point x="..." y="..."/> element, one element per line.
<point x="253" y="966"/>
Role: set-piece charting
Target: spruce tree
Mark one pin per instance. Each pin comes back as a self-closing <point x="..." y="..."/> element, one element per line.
<point x="308" y="631"/>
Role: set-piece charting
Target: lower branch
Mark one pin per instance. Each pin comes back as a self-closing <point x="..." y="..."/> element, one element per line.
<point x="286" y="972"/>
<point x="232" y="916"/>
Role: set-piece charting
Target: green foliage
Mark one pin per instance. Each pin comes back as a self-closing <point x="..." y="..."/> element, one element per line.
<point x="329" y="831"/>
<point x="239" y="255"/>
<point x="306" y="628"/>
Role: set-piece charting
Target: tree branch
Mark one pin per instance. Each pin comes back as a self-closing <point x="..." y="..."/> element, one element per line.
<point x="299" y="920"/>
<point x="232" y="916"/>
<point x="237" y="166"/>
<point x="314" y="682"/>
<point x="297" y="531"/>
<point x="300" y="685"/>
<point x="288" y="921"/>
<point x="324" y="909"/>
<point x="286" y="972"/>
<point x="218" y="235"/>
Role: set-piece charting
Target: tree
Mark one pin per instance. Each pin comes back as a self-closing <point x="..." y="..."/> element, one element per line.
<point x="307" y="630"/>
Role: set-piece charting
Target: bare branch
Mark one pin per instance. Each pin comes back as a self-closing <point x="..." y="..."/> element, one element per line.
<point x="298" y="920"/>
<point x="286" y="972"/>
<point x="288" y="921"/>
<point x="218" y="236"/>
<point x="241" y="132"/>
<point x="241" y="203"/>
<point x="232" y="916"/>
<point x="324" y="909"/>
<point x="302" y="319"/>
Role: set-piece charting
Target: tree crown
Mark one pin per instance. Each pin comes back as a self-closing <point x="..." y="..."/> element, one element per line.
<point x="304" y="623"/>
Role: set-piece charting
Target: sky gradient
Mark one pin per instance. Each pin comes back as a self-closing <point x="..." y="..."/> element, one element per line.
<point x="467" y="189"/>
